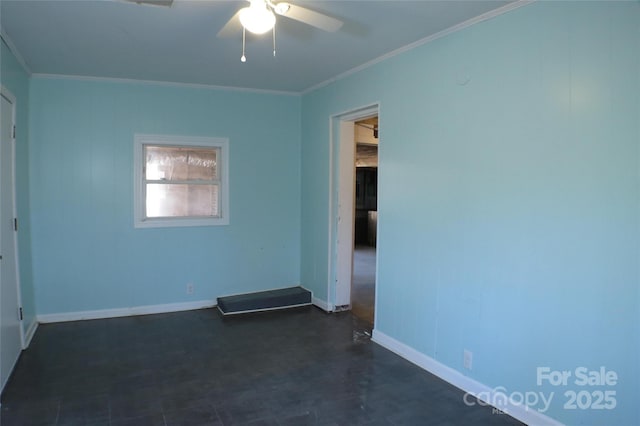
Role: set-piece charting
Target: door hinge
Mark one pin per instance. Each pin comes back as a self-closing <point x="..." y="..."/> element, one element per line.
<point x="15" y="224"/>
<point x="20" y="313"/>
<point x="14" y="131"/>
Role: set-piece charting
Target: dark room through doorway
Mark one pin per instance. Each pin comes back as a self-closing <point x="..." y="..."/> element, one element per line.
<point x="365" y="219"/>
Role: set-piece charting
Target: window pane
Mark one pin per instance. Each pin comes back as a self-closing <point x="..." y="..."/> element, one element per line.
<point x="180" y="163"/>
<point x="175" y="200"/>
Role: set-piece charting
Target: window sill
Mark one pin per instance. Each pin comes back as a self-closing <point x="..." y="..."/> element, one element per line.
<point x="179" y="222"/>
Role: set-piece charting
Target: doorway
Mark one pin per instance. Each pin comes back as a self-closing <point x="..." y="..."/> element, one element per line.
<point x="11" y="337"/>
<point x="347" y="193"/>
<point x="365" y="220"/>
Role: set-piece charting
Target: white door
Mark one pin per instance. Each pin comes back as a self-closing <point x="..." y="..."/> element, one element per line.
<point x="346" y="191"/>
<point x="10" y="323"/>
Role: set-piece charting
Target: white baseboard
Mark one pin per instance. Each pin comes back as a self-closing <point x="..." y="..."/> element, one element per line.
<point x="321" y="304"/>
<point x="31" y="331"/>
<point x="125" y="312"/>
<point x="459" y="380"/>
<point x="251" y="311"/>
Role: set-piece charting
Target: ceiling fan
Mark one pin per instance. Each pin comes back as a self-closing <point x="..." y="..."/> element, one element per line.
<point x="260" y="17"/>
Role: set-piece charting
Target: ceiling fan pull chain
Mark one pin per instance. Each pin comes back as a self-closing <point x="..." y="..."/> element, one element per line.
<point x="274" y="41"/>
<point x="243" y="58"/>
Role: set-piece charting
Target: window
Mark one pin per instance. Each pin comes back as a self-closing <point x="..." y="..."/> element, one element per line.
<point x="180" y="181"/>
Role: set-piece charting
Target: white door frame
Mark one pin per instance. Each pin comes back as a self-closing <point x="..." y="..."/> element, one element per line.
<point x="341" y="203"/>
<point x="4" y="92"/>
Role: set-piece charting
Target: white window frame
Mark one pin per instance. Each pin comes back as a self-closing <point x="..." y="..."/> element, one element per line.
<point x="140" y="140"/>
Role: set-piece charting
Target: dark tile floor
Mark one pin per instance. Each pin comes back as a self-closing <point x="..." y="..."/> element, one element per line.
<point x="363" y="283"/>
<point x="296" y="367"/>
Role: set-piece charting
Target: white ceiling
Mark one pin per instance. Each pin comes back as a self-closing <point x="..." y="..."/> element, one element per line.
<point x="117" y="39"/>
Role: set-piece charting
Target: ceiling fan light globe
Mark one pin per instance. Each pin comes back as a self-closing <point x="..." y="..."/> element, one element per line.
<point x="282" y="8"/>
<point x="257" y="18"/>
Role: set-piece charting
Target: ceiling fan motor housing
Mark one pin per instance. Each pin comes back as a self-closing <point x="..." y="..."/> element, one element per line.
<point x="257" y="18"/>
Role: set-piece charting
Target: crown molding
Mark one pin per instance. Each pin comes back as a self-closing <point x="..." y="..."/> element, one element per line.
<point x="13" y="49"/>
<point x="162" y="83"/>
<point x="458" y="27"/>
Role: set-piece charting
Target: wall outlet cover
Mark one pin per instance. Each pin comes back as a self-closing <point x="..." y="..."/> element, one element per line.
<point x="467" y="359"/>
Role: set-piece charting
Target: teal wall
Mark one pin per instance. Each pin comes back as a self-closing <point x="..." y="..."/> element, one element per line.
<point x="16" y="80"/>
<point x="509" y="219"/>
<point x="87" y="254"/>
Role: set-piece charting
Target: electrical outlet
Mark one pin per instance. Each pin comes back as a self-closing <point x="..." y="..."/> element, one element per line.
<point x="467" y="359"/>
<point x="190" y="288"/>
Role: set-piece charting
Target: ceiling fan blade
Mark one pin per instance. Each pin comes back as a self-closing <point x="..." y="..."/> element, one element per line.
<point x="166" y="3"/>
<point x="232" y="28"/>
<point x="308" y="16"/>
